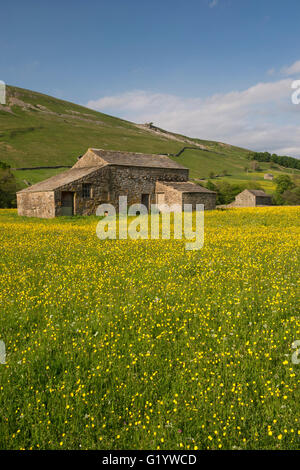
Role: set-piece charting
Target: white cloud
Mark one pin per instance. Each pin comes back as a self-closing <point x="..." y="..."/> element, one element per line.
<point x="292" y="69"/>
<point x="213" y="3"/>
<point x="261" y="117"/>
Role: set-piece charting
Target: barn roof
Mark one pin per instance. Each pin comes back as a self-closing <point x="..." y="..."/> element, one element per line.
<point x="60" y="180"/>
<point x="116" y="157"/>
<point x="94" y="159"/>
<point x="186" y="187"/>
<point x="258" y="192"/>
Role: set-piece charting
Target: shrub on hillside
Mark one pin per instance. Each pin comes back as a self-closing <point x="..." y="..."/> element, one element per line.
<point x="286" y="193"/>
<point x="283" y="183"/>
<point x="291" y="197"/>
<point x="8" y="187"/>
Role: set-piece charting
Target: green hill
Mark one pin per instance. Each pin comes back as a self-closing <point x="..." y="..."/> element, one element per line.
<point x="38" y="130"/>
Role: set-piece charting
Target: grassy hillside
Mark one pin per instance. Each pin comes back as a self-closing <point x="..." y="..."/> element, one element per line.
<point x="39" y="130"/>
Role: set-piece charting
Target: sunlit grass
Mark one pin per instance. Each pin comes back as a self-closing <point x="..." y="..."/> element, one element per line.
<point x="143" y="345"/>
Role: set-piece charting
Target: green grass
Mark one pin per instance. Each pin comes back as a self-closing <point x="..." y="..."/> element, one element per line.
<point x="201" y="163"/>
<point x="32" y="138"/>
<point x="143" y="345"/>
<point x="29" y="138"/>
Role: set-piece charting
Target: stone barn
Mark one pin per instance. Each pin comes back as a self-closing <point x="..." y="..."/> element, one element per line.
<point x="268" y="176"/>
<point x="101" y="176"/>
<point x="251" y="198"/>
<point x="184" y="193"/>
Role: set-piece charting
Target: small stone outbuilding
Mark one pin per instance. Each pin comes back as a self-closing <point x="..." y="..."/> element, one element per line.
<point x="251" y="198"/>
<point x="184" y="193"/>
<point x="268" y="176"/>
<point x="101" y="176"/>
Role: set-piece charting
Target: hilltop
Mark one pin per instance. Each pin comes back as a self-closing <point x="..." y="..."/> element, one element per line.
<point x="37" y="130"/>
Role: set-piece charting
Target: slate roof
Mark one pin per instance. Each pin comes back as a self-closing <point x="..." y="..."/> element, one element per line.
<point x="187" y="187"/>
<point x="61" y="179"/>
<point x="258" y="192"/>
<point x="116" y="157"/>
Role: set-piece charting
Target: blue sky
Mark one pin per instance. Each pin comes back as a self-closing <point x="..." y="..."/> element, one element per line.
<point x="218" y="69"/>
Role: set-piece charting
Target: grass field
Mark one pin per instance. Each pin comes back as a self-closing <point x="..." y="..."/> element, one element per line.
<point x="143" y="345"/>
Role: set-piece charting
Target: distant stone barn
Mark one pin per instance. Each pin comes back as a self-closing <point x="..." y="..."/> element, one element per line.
<point x="251" y="198"/>
<point x="101" y="176"/>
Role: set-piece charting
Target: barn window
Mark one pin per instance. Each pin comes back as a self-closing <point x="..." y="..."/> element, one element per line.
<point x="86" y="190"/>
<point x="105" y="196"/>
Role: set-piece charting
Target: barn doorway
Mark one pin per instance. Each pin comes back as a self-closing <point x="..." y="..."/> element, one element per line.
<point x="146" y="200"/>
<point x="67" y="203"/>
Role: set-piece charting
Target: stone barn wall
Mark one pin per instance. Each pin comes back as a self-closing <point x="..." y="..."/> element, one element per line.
<point x="208" y="199"/>
<point x="99" y="181"/>
<point x="175" y="196"/>
<point x="37" y="204"/>
<point x="263" y="201"/>
<point x="135" y="181"/>
<point x="90" y="159"/>
<point x="110" y="182"/>
<point x="245" y="199"/>
<point x="171" y="195"/>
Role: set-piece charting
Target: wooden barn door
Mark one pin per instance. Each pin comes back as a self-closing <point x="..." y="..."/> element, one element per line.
<point x="67" y="203"/>
<point x="146" y="200"/>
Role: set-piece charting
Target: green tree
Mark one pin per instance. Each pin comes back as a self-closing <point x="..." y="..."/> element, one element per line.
<point x="291" y="197"/>
<point x="283" y="183"/>
<point x="227" y="192"/>
<point x="8" y="187"/>
<point x="277" y="199"/>
<point x="211" y="186"/>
